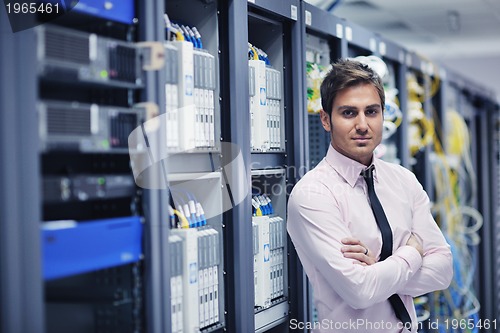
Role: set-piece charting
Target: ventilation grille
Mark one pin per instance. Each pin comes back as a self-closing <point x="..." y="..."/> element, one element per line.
<point x="68" y="122"/>
<point x="122" y="64"/>
<point x="121" y="127"/>
<point x="66" y="47"/>
<point x="319" y="140"/>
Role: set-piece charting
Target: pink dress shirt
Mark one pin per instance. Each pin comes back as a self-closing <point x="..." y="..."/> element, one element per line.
<point x="330" y="203"/>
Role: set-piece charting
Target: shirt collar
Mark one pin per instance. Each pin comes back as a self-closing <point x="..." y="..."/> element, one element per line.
<point x="346" y="167"/>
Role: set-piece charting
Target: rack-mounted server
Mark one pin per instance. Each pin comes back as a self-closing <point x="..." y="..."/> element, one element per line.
<point x="86" y="127"/>
<point x="67" y="55"/>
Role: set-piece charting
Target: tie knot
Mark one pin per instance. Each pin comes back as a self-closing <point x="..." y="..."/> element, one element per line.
<point x="368" y="173"/>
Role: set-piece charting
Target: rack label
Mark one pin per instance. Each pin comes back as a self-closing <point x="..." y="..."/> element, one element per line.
<point x="373" y="44"/>
<point x="293" y="12"/>
<point x="382" y="48"/>
<point x="348" y="34"/>
<point x="340" y="30"/>
<point x="308" y="18"/>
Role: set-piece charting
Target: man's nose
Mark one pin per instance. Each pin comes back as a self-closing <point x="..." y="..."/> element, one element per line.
<point x="361" y="123"/>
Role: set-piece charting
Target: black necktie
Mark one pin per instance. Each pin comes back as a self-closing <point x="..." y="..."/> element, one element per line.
<point x="385" y="229"/>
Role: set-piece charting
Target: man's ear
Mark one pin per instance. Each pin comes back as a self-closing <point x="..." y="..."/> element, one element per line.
<point x="325" y="120"/>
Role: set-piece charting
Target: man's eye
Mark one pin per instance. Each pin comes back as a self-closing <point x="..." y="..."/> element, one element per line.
<point x="348" y="113"/>
<point x="371" y="111"/>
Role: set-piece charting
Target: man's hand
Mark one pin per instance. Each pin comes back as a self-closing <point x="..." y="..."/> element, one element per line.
<point x="416" y="243"/>
<point x="354" y="249"/>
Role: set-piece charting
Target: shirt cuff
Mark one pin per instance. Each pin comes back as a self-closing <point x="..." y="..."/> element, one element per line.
<point x="410" y="255"/>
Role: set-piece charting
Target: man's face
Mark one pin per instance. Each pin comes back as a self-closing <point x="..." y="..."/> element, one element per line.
<point x="356" y="122"/>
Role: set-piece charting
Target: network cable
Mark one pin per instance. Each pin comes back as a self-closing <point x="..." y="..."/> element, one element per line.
<point x="184" y="223"/>
<point x="460" y="223"/>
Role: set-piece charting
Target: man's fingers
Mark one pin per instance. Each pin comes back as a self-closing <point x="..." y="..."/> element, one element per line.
<point x="351" y="241"/>
<point x="354" y="248"/>
<point x="354" y="255"/>
<point x="360" y="263"/>
<point x="359" y="258"/>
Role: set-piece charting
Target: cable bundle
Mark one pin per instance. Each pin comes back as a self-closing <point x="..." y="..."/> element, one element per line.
<point x="460" y="223"/>
<point x="261" y="205"/>
<point x="175" y="31"/>
<point x="421" y="128"/>
<point x="189" y="214"/>
<point x="315" y="73"/>
<point x="254" y="53"/>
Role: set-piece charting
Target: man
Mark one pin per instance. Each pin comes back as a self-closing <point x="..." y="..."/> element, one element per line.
<point x="361" y="283"/>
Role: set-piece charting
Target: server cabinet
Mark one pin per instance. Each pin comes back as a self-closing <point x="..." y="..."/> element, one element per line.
<point x="421" y="127"/>
<point x="93" y="260"/>
<point x="87" y="73"/>
<point x="196" y="169"/>
<point x="274" y="52"/>
<point x="263" y="53"/>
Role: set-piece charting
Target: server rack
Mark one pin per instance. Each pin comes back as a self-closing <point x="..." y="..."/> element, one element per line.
<point x="432" y="98"/>
<point x="281" y="43"/>
<point x="484" y="118"/>
<point x="486" y="152"/>
<point x="468" y="111"/>
<point x="420" y="163"/>
<point x="60" y="172"/>
<point x="21" y="241"/>
<point x="115" y="302"/>
<point x="436" y="111"/>
<point x="466" y="99"/>
<point x="475" y="104"/>
<point x="486" y="104"/>
<point x="197" y="166"/>
<point x="275" y="28"/>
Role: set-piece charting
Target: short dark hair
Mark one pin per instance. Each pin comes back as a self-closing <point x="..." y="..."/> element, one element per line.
<point x="346" y="73"/>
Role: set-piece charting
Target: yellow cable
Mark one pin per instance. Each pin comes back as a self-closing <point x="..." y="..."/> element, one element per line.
<point x="255" y="54"/>
<point x="452" y="209"/>
<point x="398" y="121"/>
<point x="179" y="35"/>
<point x="182" y="218"/>
<point x="258" y="212"/>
